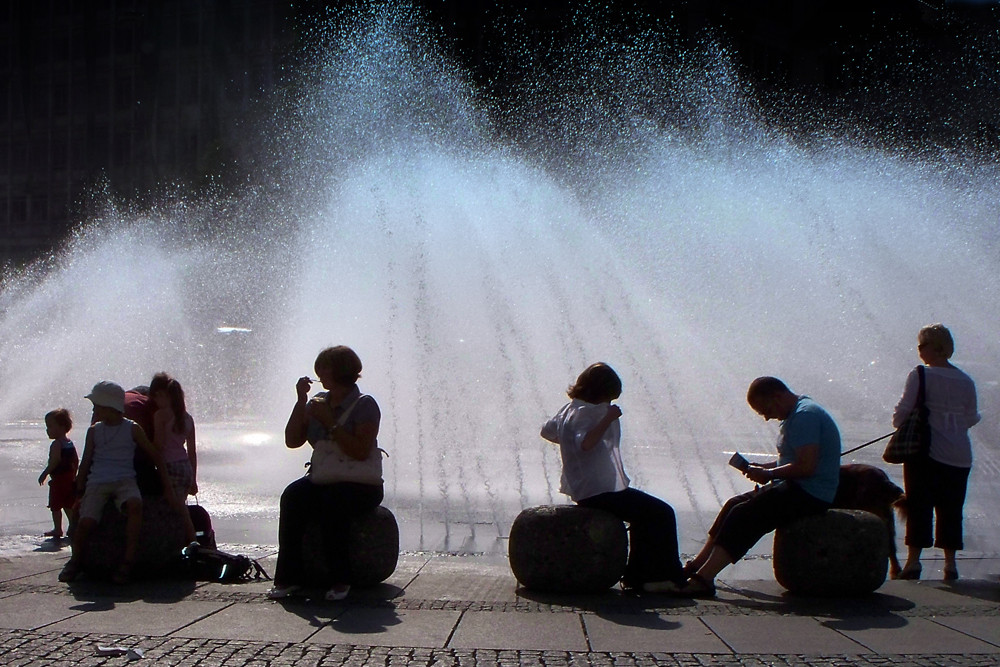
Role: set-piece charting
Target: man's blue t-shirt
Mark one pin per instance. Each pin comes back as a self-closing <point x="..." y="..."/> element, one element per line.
<point x="810" y="424"/>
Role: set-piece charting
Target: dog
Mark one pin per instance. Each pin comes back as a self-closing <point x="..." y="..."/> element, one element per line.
<point x="868" y="488"/>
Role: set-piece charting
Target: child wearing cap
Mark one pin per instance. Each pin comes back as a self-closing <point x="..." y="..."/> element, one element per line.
<point x="107" y="473"/>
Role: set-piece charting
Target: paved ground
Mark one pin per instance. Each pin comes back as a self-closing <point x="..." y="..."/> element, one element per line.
<point x="439" y="610"/>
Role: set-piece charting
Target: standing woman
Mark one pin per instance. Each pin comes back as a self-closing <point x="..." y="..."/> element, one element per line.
<point x="345" y="474"/>
<point x="936" y="484"/>
<point x="588" y="432"/>
<point x="174" y="436"/>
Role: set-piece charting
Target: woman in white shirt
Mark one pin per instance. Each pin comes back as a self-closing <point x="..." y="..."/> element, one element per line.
<point x="588" y="433"/>
<point x="936" y="484"/>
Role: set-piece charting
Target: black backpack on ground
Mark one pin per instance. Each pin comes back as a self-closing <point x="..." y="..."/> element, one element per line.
<point x="202" y="526"/>
<point x="213" y="565"/>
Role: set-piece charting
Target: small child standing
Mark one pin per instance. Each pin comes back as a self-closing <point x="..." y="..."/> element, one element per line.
<point x="107" y="472"/>
<point x="61" y="470"/>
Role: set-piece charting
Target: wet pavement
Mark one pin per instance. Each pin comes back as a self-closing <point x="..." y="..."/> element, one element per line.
<point x="468" y="610"/>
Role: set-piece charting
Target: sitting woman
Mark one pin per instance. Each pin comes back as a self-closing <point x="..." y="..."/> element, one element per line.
<point x="588" y="433"/>
<point x="345" y="472"/>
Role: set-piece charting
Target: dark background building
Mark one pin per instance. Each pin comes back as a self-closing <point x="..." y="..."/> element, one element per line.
<point x="135" y="96"/>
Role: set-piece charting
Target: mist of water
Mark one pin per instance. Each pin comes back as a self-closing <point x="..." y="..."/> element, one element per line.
<point x="476" y="271"/>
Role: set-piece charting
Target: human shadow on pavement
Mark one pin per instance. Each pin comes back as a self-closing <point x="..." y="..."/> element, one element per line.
<point x="154" y="591"/>
<point x="613" y="600"/>
<point x="977" y="589"/>
<point x="871" y="605"/>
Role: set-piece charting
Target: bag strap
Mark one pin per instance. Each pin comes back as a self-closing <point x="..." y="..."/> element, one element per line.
<point x="921" y="392"/>
<point x="347" y="411"/>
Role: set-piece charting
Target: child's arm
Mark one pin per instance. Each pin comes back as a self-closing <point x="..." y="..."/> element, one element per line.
<point x="595" y="434"/>
<point x="192" y="455"/>
<point x="88" y="457"/>
<point x="55" y="458"/>
<point x="140" y="439"/>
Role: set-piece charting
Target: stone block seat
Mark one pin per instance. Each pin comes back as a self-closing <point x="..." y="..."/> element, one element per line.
<point x="567" y="549"/>
<point x="373" y="549"/>
<point x="161" y="539"/>
<point x="837" y="553"/>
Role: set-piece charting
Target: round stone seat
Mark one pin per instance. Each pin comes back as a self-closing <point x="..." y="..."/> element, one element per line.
<point x="373" y="550"/>
<point x="161" y="539"/>
<point x="837" y="553"/>
<point x="567" y="549"/>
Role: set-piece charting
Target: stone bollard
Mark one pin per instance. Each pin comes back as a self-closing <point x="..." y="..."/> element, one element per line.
<point x="160" y="540"/>
<point x="373" y="549"/>
<point x="839" y="552"/>
<point x="567" y="549"/>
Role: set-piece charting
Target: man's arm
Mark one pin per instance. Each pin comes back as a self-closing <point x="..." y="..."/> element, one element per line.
<point x="804" y="465"/>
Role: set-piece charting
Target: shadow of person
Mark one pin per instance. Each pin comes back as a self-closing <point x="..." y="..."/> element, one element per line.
<point x="52" y="545"/>
<point x="313" y="610"/>
<point x="366" y="620"/>
<point x="157" y="591"/>
<point x="645" y="620"/>
<point x="609" y="601"/>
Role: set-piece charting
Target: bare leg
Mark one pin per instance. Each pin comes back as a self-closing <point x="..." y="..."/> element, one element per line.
<point x="56" y="531"/>
<point x="698" y="561"/>
<point x="133" y="510"/>
<point x="950" y="566"/>
<point x="911" y="570"/>
<point x="716" y="562"/>
<point x="81" y="536"/>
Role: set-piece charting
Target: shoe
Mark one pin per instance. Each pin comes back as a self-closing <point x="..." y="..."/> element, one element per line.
<point x="698" y="587"/>
<point x="667" y="587"/>
<point x="950" y="573"/>
<point x="911" y="573"/>
<point x="337" y="593"/>
<point x="689" y="569"/>
<point x="71" y="570"/>
<point x="54" y="534"/>
<point x="282" y="592"/>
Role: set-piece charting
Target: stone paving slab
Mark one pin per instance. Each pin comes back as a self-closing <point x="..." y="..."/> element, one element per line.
<point x="386" y="626"/>
<point x="986" y="628"/>
<point x="911" y="635"/>
<point x="29" y="611"/>
<point x="139" y="618"/>
<point x="270" y="623"/>
<point x="513" y="630"/>
<point x="785" y="634"/>
<point x="651" y="632"/>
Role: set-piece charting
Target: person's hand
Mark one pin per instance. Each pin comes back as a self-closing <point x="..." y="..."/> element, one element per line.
<point x="758" y="474"/>
<point x="302" y="388"/>
<point x="193" y="491"/>
<point x="614" y="412"/>
<point x="41" y="479"/>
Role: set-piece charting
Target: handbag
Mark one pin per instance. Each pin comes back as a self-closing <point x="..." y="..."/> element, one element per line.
<point x="329" y="463"/>
<point x="912" y="440"/>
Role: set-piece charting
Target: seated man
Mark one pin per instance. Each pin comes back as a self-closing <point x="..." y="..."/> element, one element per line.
<point x="802" y="482"/>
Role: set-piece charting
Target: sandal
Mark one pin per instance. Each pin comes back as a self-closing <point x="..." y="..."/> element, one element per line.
<point x="122" y="575"/>
<point x="278" y="592"/>
<point x="698" y="587"/>
<point x="71" y="570"/>
<point x="689" y="569"/>
<point x="910" y="573"/>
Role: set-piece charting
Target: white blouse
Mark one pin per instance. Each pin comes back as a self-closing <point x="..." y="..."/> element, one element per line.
<point x="586" y="473"/>
<point x="951" y="403"/>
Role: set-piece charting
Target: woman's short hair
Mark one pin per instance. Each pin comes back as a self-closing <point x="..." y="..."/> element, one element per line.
<point x="597" y="384"/>
<point x="343" y="363"/>
<point x="765" y="387"/>
<point x="938" y="336"/>
<point x="61" y="417"/>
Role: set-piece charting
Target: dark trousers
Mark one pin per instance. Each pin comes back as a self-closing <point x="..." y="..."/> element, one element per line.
<point x="333" y="505"/>
<point x="746" y="518"/>
<point x="934" y="489"/>
<point x="652" y="526"/>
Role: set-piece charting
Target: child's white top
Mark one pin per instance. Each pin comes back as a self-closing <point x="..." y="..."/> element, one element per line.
<point x="586" y="473"/>
<point x="114" y="451"/>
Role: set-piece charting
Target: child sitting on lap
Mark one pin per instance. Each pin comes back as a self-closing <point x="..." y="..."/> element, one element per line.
<point x="107" y="473"/>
